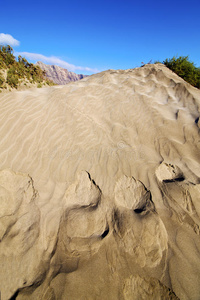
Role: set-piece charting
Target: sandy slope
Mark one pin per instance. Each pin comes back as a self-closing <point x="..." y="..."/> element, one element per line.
<point x="99" y="188"/>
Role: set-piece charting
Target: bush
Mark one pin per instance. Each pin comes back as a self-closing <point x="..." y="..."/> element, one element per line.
<point x="19" y="69"/>
<point x="12" y="78"/>
<point x="184" y="68"/>
<point x="50" y="82"/>
<point x="1" y="81"/>
<point x="39" y="85"/>
<point x="2" y="64"/>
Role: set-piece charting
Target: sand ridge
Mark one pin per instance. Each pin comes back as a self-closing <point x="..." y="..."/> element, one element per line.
<point x="110" y="168"/>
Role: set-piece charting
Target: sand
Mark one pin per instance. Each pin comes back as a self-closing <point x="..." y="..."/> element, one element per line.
<point x="100" y="188"/>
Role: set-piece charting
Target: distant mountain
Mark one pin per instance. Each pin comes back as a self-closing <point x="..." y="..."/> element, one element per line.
<point x="58" y="74"/>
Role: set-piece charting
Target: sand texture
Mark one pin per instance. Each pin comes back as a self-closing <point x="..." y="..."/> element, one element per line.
<point x="100" y="189"/>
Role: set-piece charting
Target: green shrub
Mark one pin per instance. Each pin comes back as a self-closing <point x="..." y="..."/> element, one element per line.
<point x="1" y="81"/>
<point x="12" y="78"/>
<point x="9" y="59"/>
<point x="184" y="68"/>
<point x="2" y="64"/>
<point x="50" y="82"/>
<point x="20" y="69"/>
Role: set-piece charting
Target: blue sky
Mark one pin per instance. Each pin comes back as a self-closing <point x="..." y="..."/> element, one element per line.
<point x="90" y="36"/>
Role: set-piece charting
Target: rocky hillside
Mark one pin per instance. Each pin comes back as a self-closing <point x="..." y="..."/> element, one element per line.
<point x="58" y="74"/>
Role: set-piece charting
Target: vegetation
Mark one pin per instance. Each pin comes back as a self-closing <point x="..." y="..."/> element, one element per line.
<point x="14" y="71"/>
<point x="1" y="81"/>
<point x="184" y="68"/>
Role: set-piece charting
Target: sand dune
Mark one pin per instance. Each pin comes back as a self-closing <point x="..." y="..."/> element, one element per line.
<point x="100" y="188"/>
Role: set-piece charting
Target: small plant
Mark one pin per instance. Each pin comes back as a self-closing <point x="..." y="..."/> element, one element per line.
<point x="50" y="83"/>
<point x="1" y="81"/>
<point x="184" y="68"/>
<point x="12" y="80"/>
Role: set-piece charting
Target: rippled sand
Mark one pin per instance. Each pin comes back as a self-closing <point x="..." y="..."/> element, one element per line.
<point x="99" y="188"/>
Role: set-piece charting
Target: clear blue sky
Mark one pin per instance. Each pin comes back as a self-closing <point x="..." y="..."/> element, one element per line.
<point x="105" y="34"/>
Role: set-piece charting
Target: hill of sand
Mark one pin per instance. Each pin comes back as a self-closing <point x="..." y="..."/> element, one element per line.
<point x="100" y="189"/>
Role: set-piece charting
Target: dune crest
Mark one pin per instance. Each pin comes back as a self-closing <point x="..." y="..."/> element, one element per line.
<point x="100" y="188"/>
